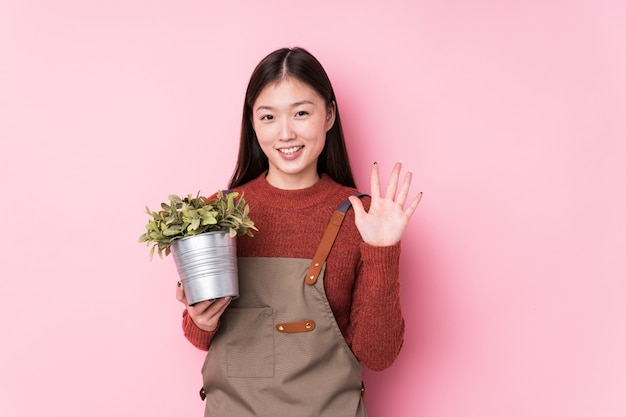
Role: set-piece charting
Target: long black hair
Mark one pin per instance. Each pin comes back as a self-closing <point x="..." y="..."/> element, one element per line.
<point x="299" y="64"/>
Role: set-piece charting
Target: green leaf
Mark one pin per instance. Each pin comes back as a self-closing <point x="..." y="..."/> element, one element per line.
<point x="172" y="231"/>
<point x="174" y="199"/>
<point x="195" y="223"/>
<point x="207" y="220"/>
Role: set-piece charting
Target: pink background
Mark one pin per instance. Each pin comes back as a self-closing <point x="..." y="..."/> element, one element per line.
<point x="512" y="115"/>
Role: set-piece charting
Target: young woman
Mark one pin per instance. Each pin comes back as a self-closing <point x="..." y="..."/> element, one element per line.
<point x="318" y="281"/>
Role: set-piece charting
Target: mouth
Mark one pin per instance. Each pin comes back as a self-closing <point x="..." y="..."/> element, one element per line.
<point x="290" y="151"/>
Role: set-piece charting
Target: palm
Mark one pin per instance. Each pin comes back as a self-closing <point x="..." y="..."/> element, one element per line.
<point x="387" y="218"/>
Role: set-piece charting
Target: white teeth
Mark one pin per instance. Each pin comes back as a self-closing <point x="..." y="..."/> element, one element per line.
<point x="291" y="151"/>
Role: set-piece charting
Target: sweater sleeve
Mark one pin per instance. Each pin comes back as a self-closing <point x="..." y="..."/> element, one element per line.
<point x="198" y="337"/>
<point x="376" y="322"/>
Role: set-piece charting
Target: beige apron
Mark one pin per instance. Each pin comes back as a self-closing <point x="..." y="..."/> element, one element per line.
<point x="279" y="351"/>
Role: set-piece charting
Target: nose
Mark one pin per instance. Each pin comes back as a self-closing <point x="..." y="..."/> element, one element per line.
<point x="286" y="131"/>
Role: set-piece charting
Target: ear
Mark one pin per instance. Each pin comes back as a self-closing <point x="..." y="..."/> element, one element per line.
<point x="331" y="114"/>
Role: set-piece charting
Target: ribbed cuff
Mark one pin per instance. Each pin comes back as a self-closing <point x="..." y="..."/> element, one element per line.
<point x="198" y="337"/>
<point x="382" y="263"/>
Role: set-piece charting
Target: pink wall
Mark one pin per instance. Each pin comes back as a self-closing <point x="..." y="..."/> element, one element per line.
<point x="512" y="115"/>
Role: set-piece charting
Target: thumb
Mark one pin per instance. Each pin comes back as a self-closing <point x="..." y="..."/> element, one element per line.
<point x="357" y="205"/>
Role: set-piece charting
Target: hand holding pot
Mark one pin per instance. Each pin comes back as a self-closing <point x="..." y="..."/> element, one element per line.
<point x="205" y="314"/>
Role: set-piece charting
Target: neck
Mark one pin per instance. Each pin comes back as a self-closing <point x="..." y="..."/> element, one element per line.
<point x="292" y="182"/>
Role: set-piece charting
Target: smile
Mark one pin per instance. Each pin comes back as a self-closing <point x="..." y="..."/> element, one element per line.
<point x="291" y="151"/>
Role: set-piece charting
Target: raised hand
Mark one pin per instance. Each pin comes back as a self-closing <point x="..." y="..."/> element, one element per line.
<point x="387" y="219"/>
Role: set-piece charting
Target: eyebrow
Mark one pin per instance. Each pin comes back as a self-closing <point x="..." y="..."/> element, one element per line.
<point x="296" y="104"/>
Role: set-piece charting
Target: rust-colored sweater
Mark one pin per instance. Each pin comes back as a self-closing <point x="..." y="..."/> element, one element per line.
<point x="361" y="281"/>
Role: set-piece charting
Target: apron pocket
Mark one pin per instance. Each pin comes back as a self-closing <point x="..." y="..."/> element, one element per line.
<point x="250" y="346"/>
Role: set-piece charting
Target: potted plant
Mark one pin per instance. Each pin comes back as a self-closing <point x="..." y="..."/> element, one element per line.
<point x="200" y="233"/>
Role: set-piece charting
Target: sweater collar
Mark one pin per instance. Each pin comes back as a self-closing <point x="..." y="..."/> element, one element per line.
<point x="299" y="198"/>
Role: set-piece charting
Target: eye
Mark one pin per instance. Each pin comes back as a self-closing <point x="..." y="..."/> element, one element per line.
<point x="267" y="117"/>
<point x="302" y="113"/>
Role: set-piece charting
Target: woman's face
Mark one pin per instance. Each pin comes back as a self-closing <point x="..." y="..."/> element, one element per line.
<point x="291" y="120"/>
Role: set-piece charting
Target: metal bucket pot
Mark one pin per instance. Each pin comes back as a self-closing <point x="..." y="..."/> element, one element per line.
<point x="207" y="266"/>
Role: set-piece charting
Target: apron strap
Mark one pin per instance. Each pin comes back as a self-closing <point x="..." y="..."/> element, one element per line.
<point x="328" y="239"/>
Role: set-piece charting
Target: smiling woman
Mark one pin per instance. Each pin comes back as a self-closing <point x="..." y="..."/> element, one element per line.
<point x="291" y="121"/>
<point x="278" y="339"/>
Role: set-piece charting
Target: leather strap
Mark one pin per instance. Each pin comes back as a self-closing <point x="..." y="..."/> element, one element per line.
<point x="296" y="326"/>
<point x="328" y="239"/>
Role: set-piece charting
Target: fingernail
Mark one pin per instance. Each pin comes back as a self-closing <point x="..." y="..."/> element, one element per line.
<point x="375" y="163"/>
